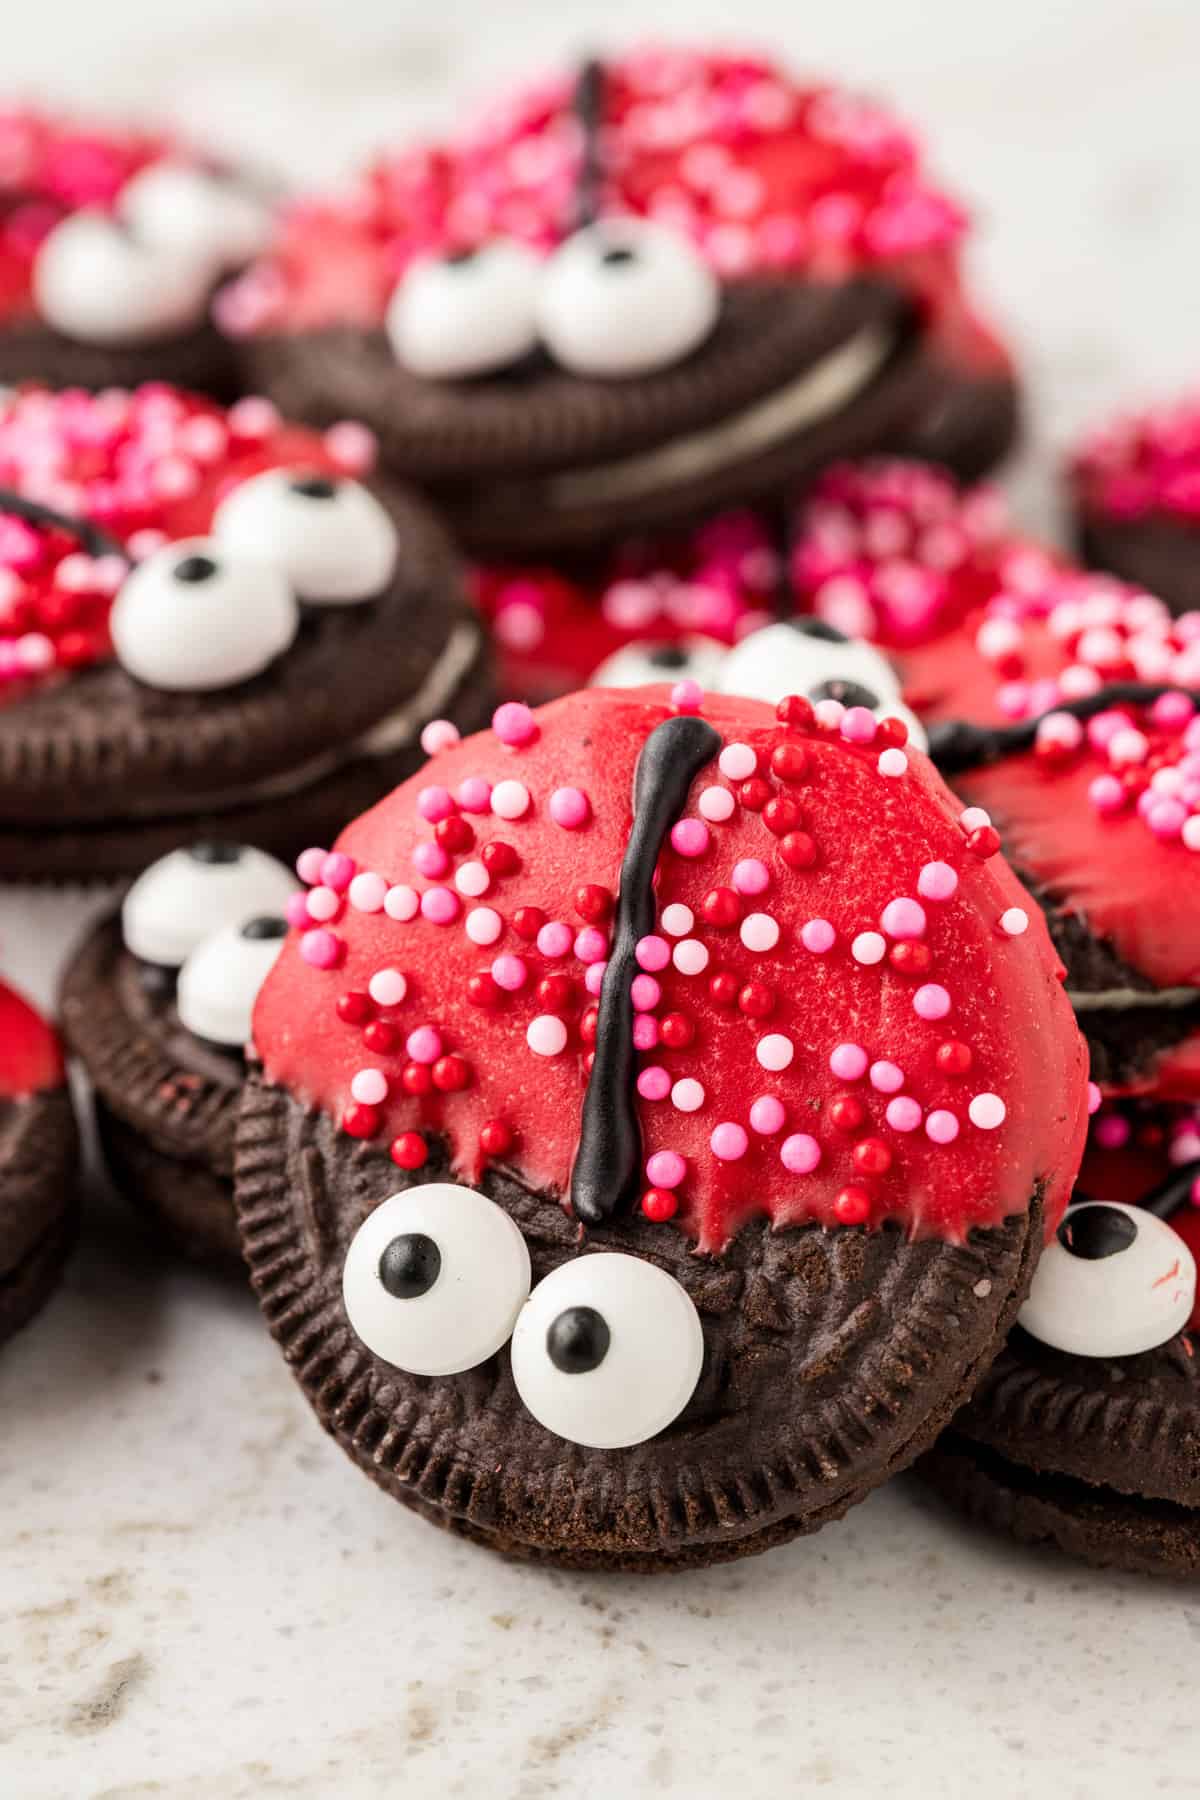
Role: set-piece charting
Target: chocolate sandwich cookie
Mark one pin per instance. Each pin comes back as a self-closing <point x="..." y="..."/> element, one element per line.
<point x="1135" y="488"/>
<point x="38" y="1155"/>
<point x="654" y="1144"/>
<point x="113" y="245"/>
<point x="638" y="292"/>
<point x="156" y="1005"/>
<point x="208" y="628"/>
<point x="1084" y="1432"/>
<point x="1063" y="707"/>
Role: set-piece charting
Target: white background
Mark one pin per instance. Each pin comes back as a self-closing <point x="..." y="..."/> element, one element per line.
<point x="199" y="1596"/>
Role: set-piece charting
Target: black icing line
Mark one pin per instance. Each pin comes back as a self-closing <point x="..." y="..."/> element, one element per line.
<point x="588" y="107"/>
<point x="95" y="540"/>
<point x="607" y="1170"/>
<point x="1172" y="1191"/>
<point x="956" y="745"/>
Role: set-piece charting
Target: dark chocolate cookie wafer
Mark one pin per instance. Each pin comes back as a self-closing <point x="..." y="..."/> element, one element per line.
<point x="224" y="634"/>
<point x="630" y="1200"/>
<point x="38" y="1153"/>
<point x="1135" y="487"/>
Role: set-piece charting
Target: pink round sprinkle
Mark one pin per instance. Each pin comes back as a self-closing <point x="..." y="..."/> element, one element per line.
<point x="510" y="973"/>
<point x="868" y="948"/>
<point x="424" y="1045"/>
<point x="1106" y="795"/>
<point x="892" y="762"/>
<point x="931" y="1001"/>
<point x="402" y="903"/>
<point x="987" y="1111"/>
<point x="387" y="987"/>
<point x="767" y="1115"/>
<point x="1093" y="1097"/>
<point x="858" y="726"/>
<point x="483" y="925"/>
<point x="973" y="817"/>
<point x="370" y="1087"/>
<point x="750" y="876"/>
<point x="665" y="1169"/>
<point x="689" y="837"/>
<point x="546" y="1035"/>
<point x="716" y="804"/>
<point x="1191" y="832"/>
<point x="296" y="910"/>
<point x="439" y="734"/>
<point x="690" y="957"/>
<point x="677" y="920"/>
<point x="737" y="762"/>
<point x="510" y="799"/>
<point x="759" y="932"/>
<point x="800" y="1153"/>
<point x="570" y="808"/>
<point x="937" y="881"/>
<point x="645" y="1032"/>
<point x="440" y="905"/>
<point x="472" y="879"/>
<point x="1014" y="921"/>
<point x="687" y="696"/>
<point x="434" y="803"/>
<point x="687" y="1096"/>
<point x="1173" y="710"/>
<point x="848" y="1061"/>
<point x="430" y="860"/>
<point x="645" y="993"/>
<point x="829" y="714"/>
<point x="654" y="1083"/>
<point x="774" y="1051"/>
<point x="474" y="794"/>
<point x="1128" y="745"/>
<point x="941" y="1127"/>
<point x="903" y="1113"/>
<point x="514" y="724"/>
<point x="309" y="864"/>
<point x="322" y="949"/>
<point x="367" y="892"/>
<point x="1166" y="818"/>
<point x="593" y="978"/>
<point x="324" y="904"/>
<point x="337" y="871"/>
<point x="652" y="953"/>
<point x="886" y="1077"/>
<point x="591" y="945"/>
<point x="903" y="919"/>
<point x="818" y="936"/>
<point x="729" y="1141"/>
<point x="1113" y="1132"/>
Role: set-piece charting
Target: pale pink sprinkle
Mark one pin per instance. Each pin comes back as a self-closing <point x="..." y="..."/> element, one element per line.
<point x="555" y="939"/>
<point x="1012" y="699"/>
<point x="903" y="1113"/>
<point x="689" y="837"/>
<point x="424" y="1045"/>
<point x="546" y="1035"/>
<point x="1014" y="921"/>
<point x="367" y="892"/>
<point x="570" y="808"/>
<point x="370" y="1087"/>
<point x="309" y="864"/>
<point x="1128" y="746"/>
<point x="987" y="1111"/>
<point x="998" y="639"/>
<point x="774" y="1051"/>
<point x="654" y="1083"/>
<point x="1093" y="1097"/>
<point x="430" y="860"/>
<point x="868" y="948"/>
<point x="687" y="696"/>
<point x="591" y="945"/>
<point x="296" y="910"/>
<point x="903" y="919"/>
<point x="475" y="794"/>
<point x="1061" y="729"/>
<point x="652" y="953"/>
<point x="690" y="957"/>
<point x="472" y="879"/>
<point x="354" y="447"/>
<point x="439" y="734"/>
<point x="800" y="1153"/>
<point x="729" y="1141"/>
<point x="402" y="903"/>
<point x="1191" y="832"/>
<point x="848" y="1061"/>
<point x="750" y="876"/>
<point x="677" y="920"/>
<point x="514" y="724"/>
<point x="716" y="804"/>
<point x="387" y="987"/>
<point x="434" y="803"/>
<point x="892" y="762"/>
<point x="1166" y="818"/>
<point x="645" y="993"/>
<point x="483" y="925"/>
<point x="818" y="936"/>
<point x="941" y="1127"/>
<point x="858" y="726"/>
<point x="253" y="417"/>
<point x="931" y="1001"/>
<point x="510" y="800"/>
<point x="737" y="762"/>
<point x="1104" y="727"/>
<point x="321" y="948"/>
<point x="767" y="1115"/>
<point x="886" y="1077"/>
<point x="593" y="978"/>
<point x="665" y="1169"/>
<point x="645" y="1032"/>
<point x="338" y="871"/>
<point x="510" y="973"/>
<point x="759" y="932"/>
<point x="1106" y="795"/>
<point x="687" y="1096"/>
<point x="937" y="881"/>
<point x="972" y="818"/>
<point x="829" y="714"/>
<point x="324" y="904"/>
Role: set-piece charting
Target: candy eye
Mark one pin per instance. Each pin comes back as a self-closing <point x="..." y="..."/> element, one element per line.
<point x="194" y="617"/>
<point x="195" y="214"/>
<point x="624" y="297"/>
<point x="434" y="1279"/>
<point x="1115" y="1280"/>
<point x="332" y="539"/>
<point x="697" y="659"/>
<point x="187" y="895"/>
<point x="219" y="982"/>
<point x="453" y="316"/>
<point x="812" y="658"/>
<point x="96" y="283"/>
<point x="608" y="1351"/>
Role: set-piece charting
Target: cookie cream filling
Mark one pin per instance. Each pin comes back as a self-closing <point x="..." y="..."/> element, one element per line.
<point x="822" y="390"/>
<point x="1123" y="999"/>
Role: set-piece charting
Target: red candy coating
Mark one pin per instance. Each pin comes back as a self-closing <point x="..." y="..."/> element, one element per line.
<point x="31" y="1057"/>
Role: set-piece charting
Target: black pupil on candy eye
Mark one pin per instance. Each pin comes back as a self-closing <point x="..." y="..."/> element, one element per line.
<point x="617" y="256"/>
<point x="578" y="1340"/>
<point x="267" y="925"/>
<point x="410" y="1265"/>
<point x="667" y="656"/>
<point x="850" y="693"/>
<point x="1096" y="1232"/>
<point x="215" y="852"/>
<point x="818" y="628"/>
<point x="195" y="568"/>
<point x="460" y="259"/>
<point x="313" y="487"/>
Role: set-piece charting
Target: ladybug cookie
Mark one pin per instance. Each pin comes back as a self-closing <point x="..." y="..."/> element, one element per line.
<point x="38" y="1154"/>
<point x="211" y="624"/>
<point x="633" y="293"/>
<point x="657" y="1125"/>
<point x="1135" y="487"/>
<point x="112" y="247"/>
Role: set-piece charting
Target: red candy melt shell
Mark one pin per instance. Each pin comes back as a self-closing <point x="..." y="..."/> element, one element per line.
<point x="732" y="1113"/>
<point x="30" y="1054"/>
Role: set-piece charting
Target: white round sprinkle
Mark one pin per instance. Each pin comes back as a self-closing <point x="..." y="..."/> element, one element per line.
<point x="510" y="799"/>
<point x="677" y="920"/>
<point x="323" y="904"/>
<point x="759" y="932"/>
<point x="987" y="1111"/>
<point x="737" y="762"/>
<point x="484" y="925"/>
<point x="370" y="1087"/>
<point x="715" y="804"/>
<point x="690" y="957"/>
<point x="367" y="892"/>
<point x="1014" y="921"/>
<point x="892" y="762"/>
<point x="402" y="903"/>
<point x="687" y="1096"/>
<point x="774" y="1051"/>
<point x="973" y="817"/>
<point x="546" y="1035"/>
<point x="387" y="987"/>
<point x="868" y="947"/>
<point x="472" y="879"/>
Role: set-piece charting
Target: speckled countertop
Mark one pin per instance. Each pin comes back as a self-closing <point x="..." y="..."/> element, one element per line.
<point x="199" y="1596"/>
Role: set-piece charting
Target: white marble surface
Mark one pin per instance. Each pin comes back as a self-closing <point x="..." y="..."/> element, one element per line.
<point x="199" y="1596"/>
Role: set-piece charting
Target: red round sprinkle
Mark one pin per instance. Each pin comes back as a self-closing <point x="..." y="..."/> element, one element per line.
<point x="593" y="902"/>
<point x="676" y="1031"/>
<point x="723" y="987"/>
<point x="1134" y="782"/>
<point x="495" y="1138"/>
<point x="796" y="711"/>
<point x="852" y="1206"/>
<point x="415" y="1079"/>
<point x="891" y="734"/>
<point x="1051" y="752"/>
<point x="789" y="762"/>
<point x="588" y="1022"/>
<point x="846" y="1112"/>
<point x="451" y="1074"/>
<point x="721" y="908"/>
<point x="872" y="1156"/>
<point x="754" y="794"/>
<point x="984" y="841"/>
<point x="588" y="1060"/>
<point x="954" y="1058"/>
<point x="659" y="1204"/>
<point x="527" y="921"/>
<point x="380" y="1036"/>
<point x="499" y="858"/>
<point x="78" y="648"/>
<point x="555" y="993"/>
<point x="409" y="1150"/>
<point x="798" y="850"/>
<point x="454" y="834"/>
<point x="360" y="1121"/>
<point x="483" y="990"/>
<point x="781" y="815"/>
<point x="354" y="1006"/>
<point x="910" y="957"/>
<point x="756" y="1000"/>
